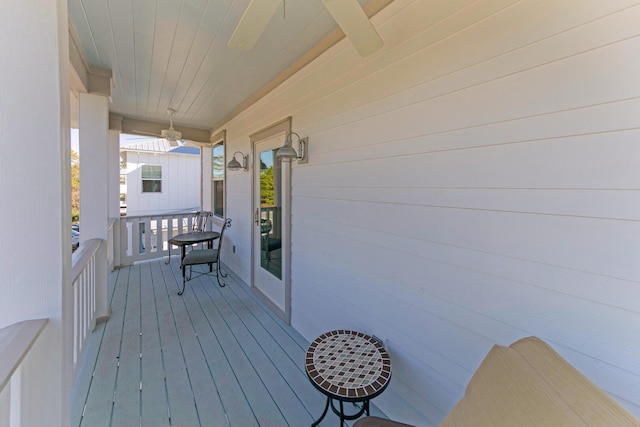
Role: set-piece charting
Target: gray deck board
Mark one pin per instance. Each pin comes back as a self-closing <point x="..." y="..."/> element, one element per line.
<point x="285" y="356"/>
<point x="153" y="398"/>
<point x="228" y="388"/>
<point x="257" y="395"/>
<point x="181" y="401"/>
<point x="99" y="400"/>
<point x="208" y="404"/>
<point x="212" y="357"/>
<point x="280" y="374"/>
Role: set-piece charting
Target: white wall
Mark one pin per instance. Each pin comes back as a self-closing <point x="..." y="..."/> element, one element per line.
<point x="180" y="183"/>
<point x="35" y="209"/>
<point x="474" y="182"/>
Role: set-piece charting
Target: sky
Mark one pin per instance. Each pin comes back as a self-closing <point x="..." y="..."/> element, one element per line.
<point x="74" y="140"/>
<point x="124" y="139"/>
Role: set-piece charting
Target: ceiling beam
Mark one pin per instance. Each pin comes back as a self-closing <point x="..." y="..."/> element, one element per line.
<point x="85" y="78"/>
<point x="151" y="129"/>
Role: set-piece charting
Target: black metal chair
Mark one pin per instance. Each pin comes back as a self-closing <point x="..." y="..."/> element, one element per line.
<point x="198" y="223"/>
<point x="268" y="243"/>
<point x="200" y="219"/>
<point x="378" y="422"/>
<point x="204" y="256"/>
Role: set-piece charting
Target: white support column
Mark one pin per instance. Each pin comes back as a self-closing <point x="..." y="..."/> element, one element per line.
<point x="113" y="160"/>
<point x="206" y="183"/>
<point x="94" y="185"/>
<point x="35" y="213"/>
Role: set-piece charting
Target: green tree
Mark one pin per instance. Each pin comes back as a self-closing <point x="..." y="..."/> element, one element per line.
<point x="75" y="186"/>
<point x="266" y="187"/>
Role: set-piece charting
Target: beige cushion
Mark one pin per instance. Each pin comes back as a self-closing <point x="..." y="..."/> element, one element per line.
<point x="200" y="256"/>
<point x="529" y="384"/>
<point x="594" y="406"/>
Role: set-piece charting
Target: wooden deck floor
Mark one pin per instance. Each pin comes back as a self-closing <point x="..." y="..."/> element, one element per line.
<point x="213" y="357"/>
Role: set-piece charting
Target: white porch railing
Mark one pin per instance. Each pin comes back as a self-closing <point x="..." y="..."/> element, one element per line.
<point x="146" y="237"/>
<point x="83" y="277"/>
<point x="15" y="343"/>
<point x="17" y="340"/>
<point x="111" y="242"/>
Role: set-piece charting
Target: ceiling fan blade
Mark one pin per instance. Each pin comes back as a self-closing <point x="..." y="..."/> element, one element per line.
<point x="140" y="132"/>
<point x="355" y="24"/>
<point x="172" y="141"/>
<point x="252" y="24"/>
<point x="193" y="144"/>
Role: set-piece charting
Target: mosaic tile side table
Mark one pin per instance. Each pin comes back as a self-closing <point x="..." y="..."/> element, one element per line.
<point x="347" y="366"/>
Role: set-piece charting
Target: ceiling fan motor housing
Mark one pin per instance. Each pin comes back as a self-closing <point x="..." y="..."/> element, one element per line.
<point x="171" y="134"/>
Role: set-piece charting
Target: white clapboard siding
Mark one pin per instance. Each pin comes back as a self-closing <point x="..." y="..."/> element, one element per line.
<point x="180" y="183"/>
<point x="474" y="182"/>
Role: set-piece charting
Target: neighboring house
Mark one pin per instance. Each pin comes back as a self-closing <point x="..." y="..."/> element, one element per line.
<point x="160" y="178"/>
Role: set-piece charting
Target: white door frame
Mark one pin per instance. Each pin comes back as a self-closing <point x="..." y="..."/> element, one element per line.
<point x="279" y="131"/>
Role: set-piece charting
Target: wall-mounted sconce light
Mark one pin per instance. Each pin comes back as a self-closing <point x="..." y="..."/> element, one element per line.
<point x="235" y="165"/>
<point x="287" y="152"/>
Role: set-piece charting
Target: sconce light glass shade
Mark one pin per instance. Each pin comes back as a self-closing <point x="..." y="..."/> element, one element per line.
<point x="235" y="165"/>
<point x="287" y="152"/>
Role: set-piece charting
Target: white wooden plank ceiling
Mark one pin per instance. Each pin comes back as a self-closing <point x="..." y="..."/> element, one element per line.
<point x="174" y="53"/>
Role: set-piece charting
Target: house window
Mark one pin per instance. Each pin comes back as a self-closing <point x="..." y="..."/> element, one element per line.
<point x="218" y="180"/>
<point x="151" y="179"/>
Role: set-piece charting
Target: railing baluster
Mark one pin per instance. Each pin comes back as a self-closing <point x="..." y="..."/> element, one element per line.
<point x="84" y="296"/>
<point x="158" y="230"/>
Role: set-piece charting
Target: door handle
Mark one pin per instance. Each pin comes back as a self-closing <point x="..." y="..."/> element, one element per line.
<point x="256" y="217"/>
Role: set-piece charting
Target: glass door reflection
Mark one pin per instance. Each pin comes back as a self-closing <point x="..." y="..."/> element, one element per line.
<point x="271" y="213"/>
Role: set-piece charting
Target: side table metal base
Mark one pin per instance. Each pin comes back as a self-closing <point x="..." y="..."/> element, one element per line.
<point x="340" y="412"/>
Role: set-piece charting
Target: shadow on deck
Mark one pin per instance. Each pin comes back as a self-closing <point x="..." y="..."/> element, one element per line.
<point x="213" y="357"/>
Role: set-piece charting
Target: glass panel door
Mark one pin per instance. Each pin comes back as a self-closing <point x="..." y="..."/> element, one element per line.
<point x="270" y="213"/>
<point x="270" y="237"/>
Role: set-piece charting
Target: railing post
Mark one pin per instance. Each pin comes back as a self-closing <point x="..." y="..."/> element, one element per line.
<point x="17" y="350"/>
<point x="111" y="243"/>
<point x="102" y="282"/>
<point x="116" y="243"/>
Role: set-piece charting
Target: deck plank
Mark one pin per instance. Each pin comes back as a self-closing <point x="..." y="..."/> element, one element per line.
<point x="212" y="357"/>
<point x="264" y="408"/>
<point x="101" y="393"/>
<point x="209" y="406"/>
<point x="126" y="405"/>
<point x="153" y="398"/>
<point x="261" y="319"/>
<point x="281" y="371"/>
<point x="181" y="406"/>
<point x="230" y="393"/>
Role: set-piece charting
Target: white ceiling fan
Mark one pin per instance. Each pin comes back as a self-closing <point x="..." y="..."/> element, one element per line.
<point x="347" y="13"/>
<point x="171" y="135"/>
